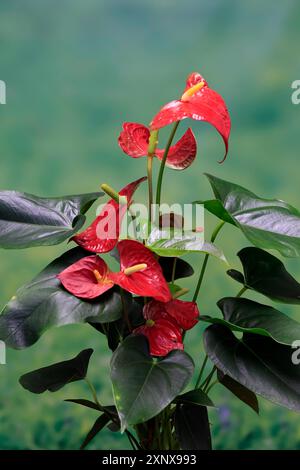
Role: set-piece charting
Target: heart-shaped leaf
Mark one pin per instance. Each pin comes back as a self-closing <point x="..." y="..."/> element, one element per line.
<point x="43" y="303"/>
<point x="144" y="385"/>
<point x="27" y="220"/>
<point x="266" y="274"/>
<point x="195" y="397"/>
<point x="241" y="392"/>
<point x="192" y="427"/>
<point x="258" y="363"/>
<point x="58" y="375"/>
<point x="247" y="316"/>
<point x="267" y="223"/>
<point x="163" y="244"/>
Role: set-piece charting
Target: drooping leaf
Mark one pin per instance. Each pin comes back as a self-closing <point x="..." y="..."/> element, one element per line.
<point x="195" y="397"/>
<point x="182" y="268"/>
<point x="98" y="425"/>
<point x="258" y="363"/>
<point x="247" y="316"/>
<point x="58" y="375"/>
<point x="144" y="385"/>
<point x="266" y="274"/>
<point x="241" y="392"/>
<point x="192" y="427"/>
<point x="43" y="303"/>
<point x="27" y="220"/>
<point x="161" y="243"/>
<point x="267" y="223"/>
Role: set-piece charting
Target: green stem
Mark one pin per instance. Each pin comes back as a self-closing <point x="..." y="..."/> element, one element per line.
<point x="131" y="441"/>
<point x="153" y="141"/>
<point x="206" y="382"/>
<point x="163" y="162"/>
<point x="202" y="272"/>
<point x="134" y="443"/>
<point x="174" y="270"/>
<point x="94" y="393"/>
<point x="150" y="187"/>
<point x="240" y="293"/>
<point x="201" y="371"/>
<point x="212" y="385"/>
<point x="125" y="312"/>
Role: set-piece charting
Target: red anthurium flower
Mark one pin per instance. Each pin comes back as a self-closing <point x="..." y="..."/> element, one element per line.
<point x="87" y="278"/>
<point x="198" y="102"/>
<point x="163" y="335"/>
<point x="102" y="235"/>
<point x="165" y="322"/>
<point x="140" y="273"/>
<point x="184" y="313"/>
<point x="134" y="140"/>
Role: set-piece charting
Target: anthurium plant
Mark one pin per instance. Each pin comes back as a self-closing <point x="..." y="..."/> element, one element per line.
<point x="160" y="394"/>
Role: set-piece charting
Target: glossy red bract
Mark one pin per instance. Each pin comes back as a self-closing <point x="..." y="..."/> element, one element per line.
<point x="80" y="278"/>
<point x="204" y="105"/>
<point x="163" y="337"/>
<point x="184" y="313"/>
<point x="90" y="277"/>
<point x="102" y="235"/>
<point x="165" y="322"/>
<point x="134" y="140"/>
<point x="149" y="282"/>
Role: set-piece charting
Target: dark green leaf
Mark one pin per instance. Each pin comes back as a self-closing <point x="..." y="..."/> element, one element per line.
<point x="44" y="303"/>
<point x="27" y="220"/>
<point x="236" y="275"/>
<point x="113" y="331"/>
<point x="258" y="363"/>
<point x="248" y="316"/>
<point x="58" y="375"/>
<point x="99" y="424"/>
<point x="254" y="317"/>
<point x="267" y="223"/>
<point x="241" y="392"/>
<point x="118" y="329"/>
<point x="192" y="427"/>
<point x="195" y="397"/>
<point x="266" y="274"/>
<point x="182" y="268"/>
<point x="144" y="385"/>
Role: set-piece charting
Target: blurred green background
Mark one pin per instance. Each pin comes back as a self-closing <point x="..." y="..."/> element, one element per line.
<point x="75" y="70"/>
